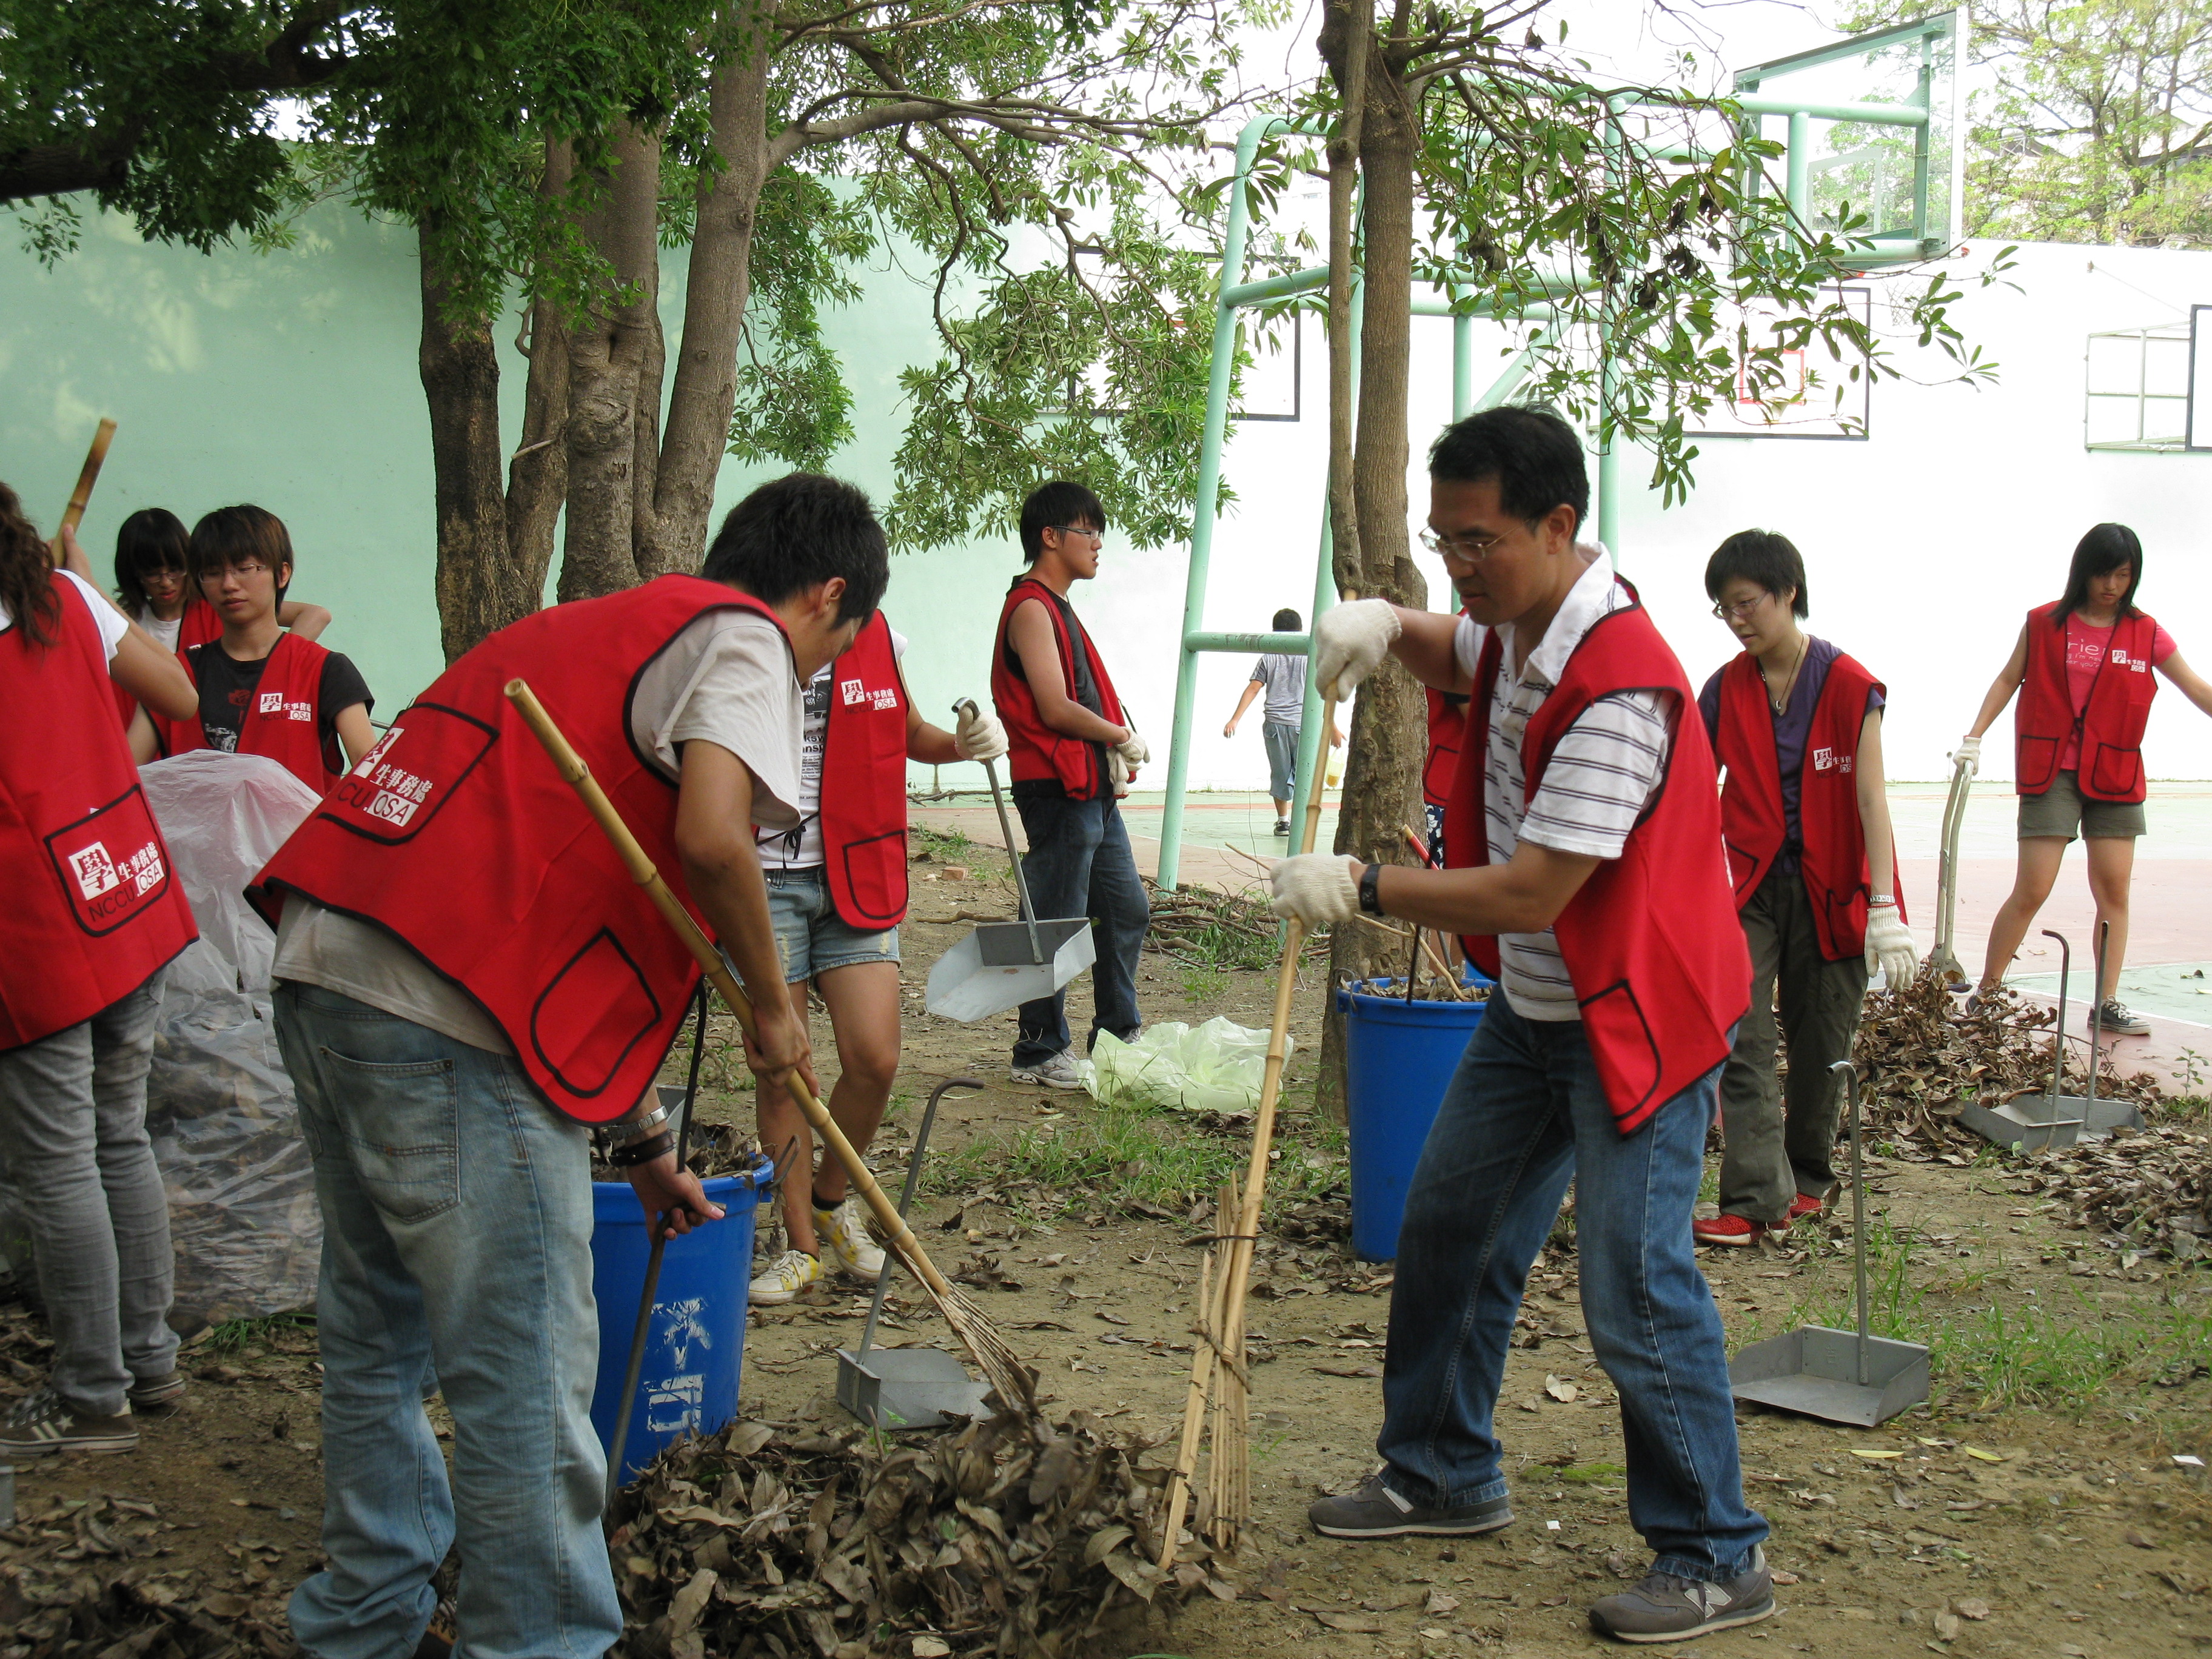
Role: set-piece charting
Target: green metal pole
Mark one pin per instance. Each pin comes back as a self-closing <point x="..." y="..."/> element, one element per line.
<point x="1462" y="363"/>
<point x="1799" y="161"/>
<point x="1207" y="506"/>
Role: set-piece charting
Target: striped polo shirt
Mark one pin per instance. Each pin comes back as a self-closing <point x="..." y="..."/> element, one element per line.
<point x="1602" y="774"/>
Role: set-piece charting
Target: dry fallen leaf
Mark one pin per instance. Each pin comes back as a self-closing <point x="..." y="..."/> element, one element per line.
<point x="1439" y="1602"/>
<point x="931" y="1647"/>
<point x="1985" y="1456"/>
<point x="1947" y="1626"/>
<point x="1857" y="1452"/>
<point x="1565" y="1393"/>
<point x="1970" y="1607"/>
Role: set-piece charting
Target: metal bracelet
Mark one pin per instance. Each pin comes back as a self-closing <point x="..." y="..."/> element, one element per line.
<point x="627" y="1132"/>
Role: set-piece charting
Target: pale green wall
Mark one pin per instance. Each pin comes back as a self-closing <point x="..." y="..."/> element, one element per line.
<point x="288" y="379"/>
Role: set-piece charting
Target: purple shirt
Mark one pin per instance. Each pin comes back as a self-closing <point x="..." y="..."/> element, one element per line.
<point x="1792" y="726"/>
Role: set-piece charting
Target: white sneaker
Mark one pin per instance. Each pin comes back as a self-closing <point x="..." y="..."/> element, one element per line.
<point x="842" y="1236"/>
<point x="786" y="1276"/>
<point x="1057" y="1072"/>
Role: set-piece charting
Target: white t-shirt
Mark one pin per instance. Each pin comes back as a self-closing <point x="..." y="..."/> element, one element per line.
<point x="1602" y="775"/>
<point x="110" y="621"/>
<point x="165" y="633"/>
<point x="726" y="679"/>
<point x="801" y="849"/>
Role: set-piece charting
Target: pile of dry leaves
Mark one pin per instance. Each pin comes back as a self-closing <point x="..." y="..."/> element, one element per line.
<point x="76" y="1578"/>
<point x="1922" y="1056"/>
<point x="1006" y="1538"/>
<point x="2153" y="1187"/>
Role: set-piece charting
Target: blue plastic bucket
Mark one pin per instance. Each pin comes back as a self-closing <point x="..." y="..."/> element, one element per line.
<point x="1398" y="1056"/>
<point x="695" y="1346"/>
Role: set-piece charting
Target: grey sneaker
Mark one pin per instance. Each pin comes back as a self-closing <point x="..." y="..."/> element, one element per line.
<point x="42" y="1422"/>
<point x="1665" y="1608"/>
<point x="2116" y="1018"/>
<point x="1376" y="1511"/>
<point x="156" y="1396"/>
<point x="1057" y="1072"/>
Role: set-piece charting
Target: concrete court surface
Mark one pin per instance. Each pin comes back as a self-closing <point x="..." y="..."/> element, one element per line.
<point x="2170" y="938"/>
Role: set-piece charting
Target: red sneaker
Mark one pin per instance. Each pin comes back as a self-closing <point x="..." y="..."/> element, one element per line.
<point x="1733" y="1231"/>
<point x="1802" y="1205"/>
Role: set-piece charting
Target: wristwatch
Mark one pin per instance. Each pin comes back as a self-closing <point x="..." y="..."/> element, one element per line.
<point x="1370" y="893"/>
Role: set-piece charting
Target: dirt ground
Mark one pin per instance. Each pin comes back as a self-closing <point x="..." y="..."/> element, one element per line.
<point x="2024" y="1529"/>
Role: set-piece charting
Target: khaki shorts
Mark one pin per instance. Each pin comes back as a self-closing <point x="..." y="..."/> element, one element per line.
<point x="2062" y="811"/>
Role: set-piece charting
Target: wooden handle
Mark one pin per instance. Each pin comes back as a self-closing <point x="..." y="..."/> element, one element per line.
<point x="640" y="864"/>
<point x="73" y="514"/>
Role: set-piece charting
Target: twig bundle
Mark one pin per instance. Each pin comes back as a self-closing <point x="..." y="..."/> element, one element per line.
<point x="1014" y="1381"/>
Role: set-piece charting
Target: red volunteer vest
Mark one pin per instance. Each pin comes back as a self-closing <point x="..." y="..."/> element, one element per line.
<point x="1834" y="858"/>
<point x="864" y="783"/>
<point x="1447" y="721"/>
<point x="281" y="722"/>
<point x="198" y="625"/>
<point x="1650" y="941"/>
<point x="2109" y="727"/>
<point x="1036" y="750"/>
<point x="93" y="909"/>
<point x="456" y="834"/>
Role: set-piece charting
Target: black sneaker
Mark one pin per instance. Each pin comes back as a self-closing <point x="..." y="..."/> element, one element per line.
<point x="1282" y="826"/>
<point x="156" y="1396"/>
<point x="2116" y="1018"/>
<point x="42" y="1422"/>
<point x="1665" y="1608"/>
<point x="1376" y="1511"/>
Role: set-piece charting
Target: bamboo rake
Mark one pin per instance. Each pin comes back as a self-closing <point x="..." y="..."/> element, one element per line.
<point x="1218" y="1374"/>
<point x="73" y="514"/>
<point x="1014" y="1381"/>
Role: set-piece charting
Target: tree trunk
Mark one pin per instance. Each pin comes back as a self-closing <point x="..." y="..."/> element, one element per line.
<point x="538" y="471"/>
<point x="608" y="349"/>
<point x="706" y="386"/>
<point x="1389" y="726"/>
<point x="460" y="369"/>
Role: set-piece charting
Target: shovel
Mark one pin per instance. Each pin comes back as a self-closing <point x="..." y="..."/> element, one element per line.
<point x="1003" y="965"/>
<point x="907" y="1387"/>
<point x="1815" y="1371"/>
<point x="1943" y="961"/>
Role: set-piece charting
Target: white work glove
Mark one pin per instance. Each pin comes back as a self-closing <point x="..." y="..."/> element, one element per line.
<point x="1889" y="947"/>
<point x="1350" y="642"/>
<point x="1133" y="750"/>
<point x="1117" y="772"/>
<point x="1318" y="889"/>
<point x="978" y="736"/>
<point x="1968" y="754"/>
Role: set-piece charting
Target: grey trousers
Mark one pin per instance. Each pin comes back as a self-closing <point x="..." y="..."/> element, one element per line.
<point x="1780" y="1140"/>
<point x="73" y="1122"/>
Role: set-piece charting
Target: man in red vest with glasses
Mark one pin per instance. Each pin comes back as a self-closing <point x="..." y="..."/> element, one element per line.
<point x="1584" y="872"/>
<point x="467" y="980"/>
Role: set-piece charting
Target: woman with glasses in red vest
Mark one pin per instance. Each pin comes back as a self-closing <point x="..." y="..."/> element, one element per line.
<point x="264" y="690"/>
<point x="2083" y="666"/>
<point x="1796" y="726"/>
<point x="94" y="914"/>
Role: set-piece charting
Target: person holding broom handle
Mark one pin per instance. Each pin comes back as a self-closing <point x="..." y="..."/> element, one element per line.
<point x="1584" y="872"/>
<point x="93" y="917"/>
<point x="468" y="981"/>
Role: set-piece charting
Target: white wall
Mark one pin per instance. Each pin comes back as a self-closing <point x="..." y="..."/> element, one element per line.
<point x="1924" y="544"/>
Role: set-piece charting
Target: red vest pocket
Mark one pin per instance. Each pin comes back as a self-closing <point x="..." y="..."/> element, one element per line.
<point x="399" y="786"/>
<point x="1747" y="870"/>
<point x="875" y="880"/>
<point x="112" y="865"/>
<point x="2115" y="773"/>
<point x="1845" y="914"/>
<point x="2035" y="763"/>
<point x="1627" y="1051"/>
<point x="592" y="1013"/>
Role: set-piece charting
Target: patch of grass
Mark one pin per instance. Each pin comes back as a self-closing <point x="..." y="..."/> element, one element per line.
<point x="1224" y="949"/>
<point x="1203" y="984"/>
<point x="1132" y="1154"/>
<point x="946" y="846"/>
<point x="233" y="1335"/>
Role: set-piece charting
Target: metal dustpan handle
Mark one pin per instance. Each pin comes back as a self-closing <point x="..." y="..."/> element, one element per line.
<point x="906" y="1201"/>
<point x="2096" y="1018"/>
<point x="2059" y="1032"/>
<point x="967" y="705"/>
<point x="1858" y="1209"/>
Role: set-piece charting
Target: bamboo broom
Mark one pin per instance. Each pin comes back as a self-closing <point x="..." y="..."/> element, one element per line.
<point x="1217" y="1365"/>
<point x="73" y="514"/>
<point x="1014" y="1381"/>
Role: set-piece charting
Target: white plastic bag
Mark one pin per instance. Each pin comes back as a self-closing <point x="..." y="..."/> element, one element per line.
<point x="219" y="1106"/>
<point x="1214" y="1067"/>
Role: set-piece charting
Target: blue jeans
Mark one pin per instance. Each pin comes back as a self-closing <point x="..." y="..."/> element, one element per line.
<point x="457" y="1217"/>
<point x="1522" y="1114"/>
<point x="1079" y="865"/>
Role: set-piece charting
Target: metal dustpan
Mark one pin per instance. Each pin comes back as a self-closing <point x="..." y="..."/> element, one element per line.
<point x="2052" y="1121"/>
<point x="907" y="1387"/>
<point x="1003" y="965"/>
<point x="1841" y="1376"/>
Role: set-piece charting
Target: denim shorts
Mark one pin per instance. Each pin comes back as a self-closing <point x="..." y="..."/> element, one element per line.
<point x="2063" y="809"/>
<point x="810" y="936"/>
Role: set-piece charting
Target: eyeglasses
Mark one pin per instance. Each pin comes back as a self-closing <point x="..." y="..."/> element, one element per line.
<point x="1097" y="537"/>
<point x="1467" y="549"/>
<point x="247" y="568"/>
<point x="1741" y="612"/>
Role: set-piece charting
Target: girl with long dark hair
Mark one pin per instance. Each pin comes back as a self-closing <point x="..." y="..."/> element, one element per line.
<point x="2083" y="667"/>
<point x="94" y="915"/>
